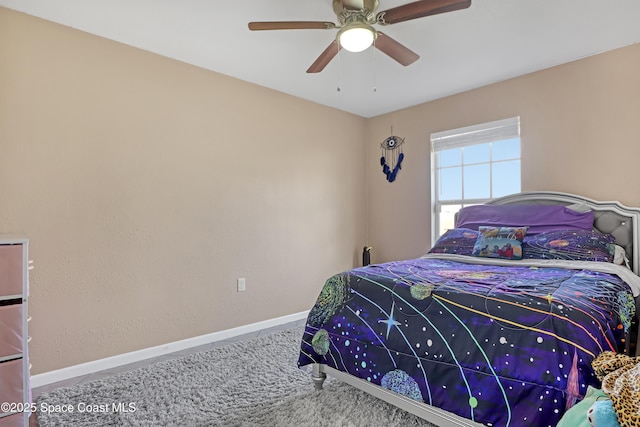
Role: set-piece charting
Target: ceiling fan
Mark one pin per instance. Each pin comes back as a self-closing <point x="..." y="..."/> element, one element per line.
<point x="356" y="33"/>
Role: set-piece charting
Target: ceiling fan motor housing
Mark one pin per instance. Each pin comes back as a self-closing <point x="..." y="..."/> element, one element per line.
<point x="349" y="11"/>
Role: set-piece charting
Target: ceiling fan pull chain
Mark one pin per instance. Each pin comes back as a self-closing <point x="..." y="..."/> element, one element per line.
<point x="375" y="68"/>
<point x="339" y="55"/>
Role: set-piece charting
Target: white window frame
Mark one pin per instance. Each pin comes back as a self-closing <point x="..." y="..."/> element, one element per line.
<point x="463" y="137"/>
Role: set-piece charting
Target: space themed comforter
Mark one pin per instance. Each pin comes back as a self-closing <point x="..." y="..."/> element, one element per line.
<point x="502" y="343"/>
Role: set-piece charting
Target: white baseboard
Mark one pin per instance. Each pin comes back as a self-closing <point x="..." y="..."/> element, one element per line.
<point x="151" y="352"/>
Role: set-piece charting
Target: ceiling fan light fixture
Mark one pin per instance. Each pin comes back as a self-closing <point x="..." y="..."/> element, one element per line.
<point x="357" y="37"/>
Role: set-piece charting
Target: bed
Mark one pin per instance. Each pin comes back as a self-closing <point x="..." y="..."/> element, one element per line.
<point x="480" y="332"/>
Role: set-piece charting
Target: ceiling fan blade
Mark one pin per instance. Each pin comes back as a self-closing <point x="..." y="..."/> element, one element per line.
<point x="395" y="50"/>
<point x="325" y="57"/>
<point x="291" y="25"/>
<point x="419" y="9"/>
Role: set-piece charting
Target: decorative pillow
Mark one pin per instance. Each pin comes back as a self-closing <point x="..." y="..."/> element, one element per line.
<point x="458" y="241"/>
<point x="499" y="242"/>
<point x="538" y="218"/>
<point x="576" y="245"/>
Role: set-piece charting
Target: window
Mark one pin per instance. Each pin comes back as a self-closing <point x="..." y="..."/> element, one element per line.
<point x="473" y="165"/>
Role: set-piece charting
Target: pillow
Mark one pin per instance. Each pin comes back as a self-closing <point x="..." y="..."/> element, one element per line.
<point x="579" y="207"/>
<point x="538" y="218"/>
<point x="576" y="245"/>
<point x="499" y="242"/>
<point x="455" y="241"/>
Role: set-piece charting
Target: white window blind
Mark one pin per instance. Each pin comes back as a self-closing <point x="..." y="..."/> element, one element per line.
<point x="476" y="134"/>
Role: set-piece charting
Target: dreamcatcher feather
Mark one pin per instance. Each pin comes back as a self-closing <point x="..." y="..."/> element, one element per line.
<point x="392" y="156"/>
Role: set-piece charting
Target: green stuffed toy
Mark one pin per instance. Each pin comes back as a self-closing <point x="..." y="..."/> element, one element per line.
<point x="602" y="414"/>
<point x="595" y="410"/>
<point x="576" y="416"/>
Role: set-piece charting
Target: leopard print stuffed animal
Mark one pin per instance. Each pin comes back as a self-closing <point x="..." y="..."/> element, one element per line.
<point x="620" y="376"/>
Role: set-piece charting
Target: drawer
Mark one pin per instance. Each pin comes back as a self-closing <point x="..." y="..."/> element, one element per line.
<point x="11" y="329"/>
<point x="11" y="381"/>
<point x="16" y="420"/>
<point x="10" y="270"/>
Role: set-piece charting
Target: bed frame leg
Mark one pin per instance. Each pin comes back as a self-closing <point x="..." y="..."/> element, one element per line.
<point x="318" y="376"/>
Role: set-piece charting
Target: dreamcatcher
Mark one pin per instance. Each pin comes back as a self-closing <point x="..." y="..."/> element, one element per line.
<point x="392" y="156"/>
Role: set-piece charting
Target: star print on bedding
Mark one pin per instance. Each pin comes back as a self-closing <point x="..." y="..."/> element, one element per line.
<point x="500" y="345"/>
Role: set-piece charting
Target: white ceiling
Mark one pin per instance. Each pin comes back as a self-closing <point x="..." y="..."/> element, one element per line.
<point x="493" y="40"/>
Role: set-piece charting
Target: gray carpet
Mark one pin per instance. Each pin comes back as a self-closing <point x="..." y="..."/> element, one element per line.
<point x="250" y="383"/>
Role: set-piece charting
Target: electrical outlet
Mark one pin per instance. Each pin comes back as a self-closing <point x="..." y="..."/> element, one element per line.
<point x="242" y="284"/>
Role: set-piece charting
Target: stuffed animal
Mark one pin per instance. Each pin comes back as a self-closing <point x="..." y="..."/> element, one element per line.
<point x="602" y="414"/>
<point x="620" y="376"/>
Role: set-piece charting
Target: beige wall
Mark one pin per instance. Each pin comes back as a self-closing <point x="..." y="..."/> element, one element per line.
<point x="580" y="133"/>
<point x="148" y="186"/>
